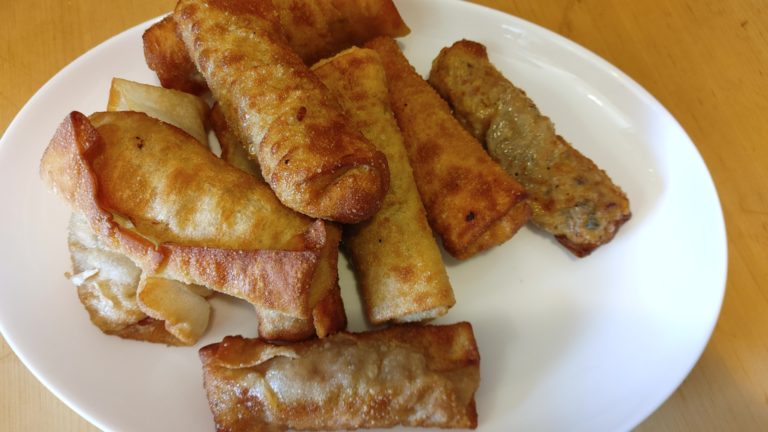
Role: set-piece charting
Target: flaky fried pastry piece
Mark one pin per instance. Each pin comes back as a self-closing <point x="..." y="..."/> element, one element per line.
<point x="108" y="284"/>
<point x="571" y="197"/>
<point x="407" y="375"/>
<point x="399" y="267"/>
<point x="150" y="191"/>
<point x="314" y="162"/>
<point x="470" y="201"/>
<point x="314" y="29"/>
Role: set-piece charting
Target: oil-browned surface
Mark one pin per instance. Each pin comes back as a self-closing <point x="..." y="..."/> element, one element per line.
<point x="569" y="195"/>
<point x="315" y="163"/>
<point x="469" y="199"/>
<point x="406" y="375"/>
<point x="313" y="29"/>
<point x="398" y="265"/>
<point x="235" y="238"/>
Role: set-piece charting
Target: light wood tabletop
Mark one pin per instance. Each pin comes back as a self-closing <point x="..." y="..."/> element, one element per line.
<point x="706" y="61"/>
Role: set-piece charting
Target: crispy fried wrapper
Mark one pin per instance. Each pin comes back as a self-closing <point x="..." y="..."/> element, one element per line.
<point x="314" y="162"/>
<point x="470" y="201"/>
<point x="399" y="267"/>
<point x="328" y="316"/>
<point x="108" y="284"/>
<point x="571" y="197"/>
<point x="166" y="54"/>
<point x="151" y="192"/>
<point x="313" y="29"/>
<point x="407" y="375"/>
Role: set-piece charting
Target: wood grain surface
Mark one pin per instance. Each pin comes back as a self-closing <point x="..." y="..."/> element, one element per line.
<point x="705" y="60"/>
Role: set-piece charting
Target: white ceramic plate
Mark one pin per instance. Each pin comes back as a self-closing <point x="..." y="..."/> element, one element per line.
<point x="592" y="344"/>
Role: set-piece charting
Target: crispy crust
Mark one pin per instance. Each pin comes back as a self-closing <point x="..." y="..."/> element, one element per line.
<point x="399" y="267"/>
<point x="314" y="30"/>
<point x="101" y="180"/>
<point x="470" y="201"/>
<point x="406" y="375"/>
<point x="571" y="197"/>
<point x="166" y="54"/>
<point x="315" y="163"/>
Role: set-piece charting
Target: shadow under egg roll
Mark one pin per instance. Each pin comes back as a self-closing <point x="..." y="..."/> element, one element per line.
<point x="470" y="201"/>
<point x="399" y="267"/>
<point x="313" y="161"/>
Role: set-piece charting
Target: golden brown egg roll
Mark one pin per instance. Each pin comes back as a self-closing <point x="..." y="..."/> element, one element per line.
<point x="399" y="268"/>
<point x="314" y="162"/>
<point x="408" y="375"/>
<point x="328" y="316"/>
<point x="150" y="191"/>
<point x="314" y="29"/>
<point x="470" y="201"/>
<point x="571" y="197"/>
<point x="108" y="283"/>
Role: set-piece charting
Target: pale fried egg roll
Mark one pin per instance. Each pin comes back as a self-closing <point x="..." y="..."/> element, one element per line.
<point x="470" y="201"/>
<point x="150" y="191"/>
<point x="314" y="29"/>
<point x="313" y="160"/>
<point x="408" y="375"/>
<point x="571" y="197"/>
<point x="399" y="268"/>
<point x="328" y="315"/>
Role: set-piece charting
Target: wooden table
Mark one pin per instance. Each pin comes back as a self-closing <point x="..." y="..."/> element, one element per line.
<point x="705" y="60"/>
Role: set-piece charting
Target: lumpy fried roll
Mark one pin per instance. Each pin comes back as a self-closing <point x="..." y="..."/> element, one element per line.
<point x="470" y="201"/>
<point x="150" y="191"/>
<point x="328" y="315"/>
<point x="571" y="197"/>
<point x="399" y="268"/>
<point x="314" y="29"/>
<point x="406" y="375"/>
<point x="313" y="160"/>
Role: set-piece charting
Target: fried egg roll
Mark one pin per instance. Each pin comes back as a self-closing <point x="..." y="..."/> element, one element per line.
<point x="313" y="160"/>
<point x="407" y="375"/>
<point x="470" y="201"/>
<point x="571" y="197"/>
<point x="108" y="283"/>
<point x="328" y="316"/>
<point x="150" y="191"/>
<point x="399" y="268"/>
<point x="313" y="29"/>
<point x="166" y="54"/>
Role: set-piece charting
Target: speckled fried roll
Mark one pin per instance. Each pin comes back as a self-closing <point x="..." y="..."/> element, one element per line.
<point x="408" y="375"/>
<point x="571" y="197"/>
<point x="399" y="268"/>
<point x="314" y="29"/>
<point x="153" y="193"/>
<point x="314" y="162"/>
<point x="470" y="201"/>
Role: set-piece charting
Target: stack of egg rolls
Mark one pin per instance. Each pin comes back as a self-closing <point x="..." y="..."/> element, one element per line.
<point x="470" y="201"/>
<point x="313" y="160"/>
